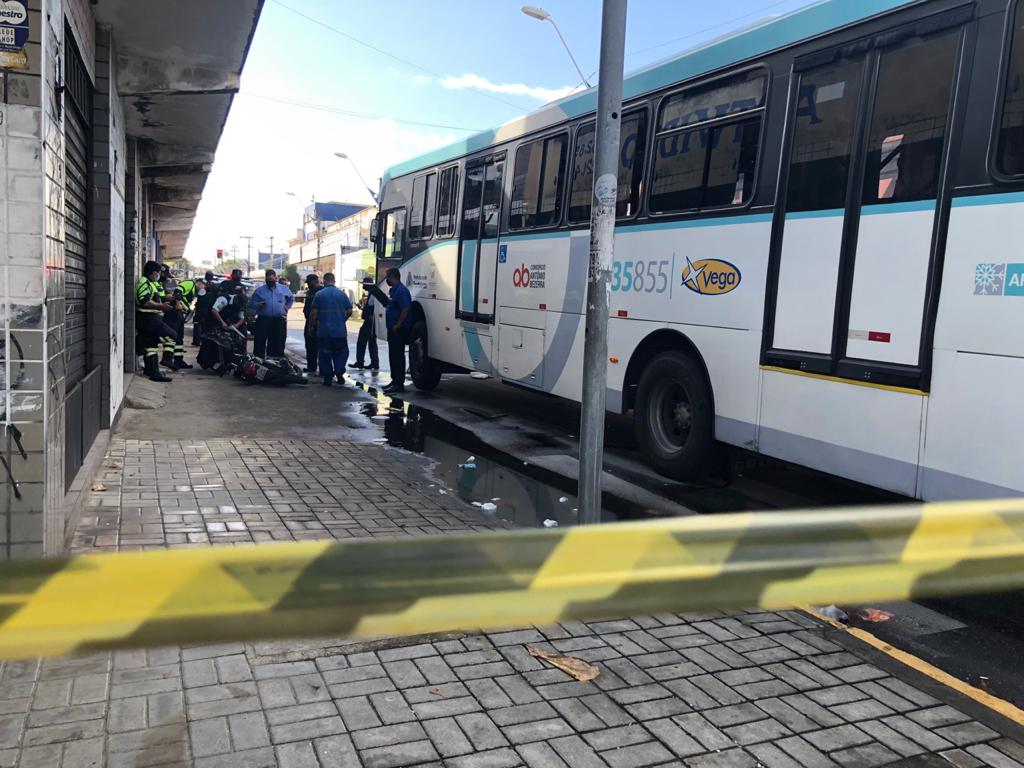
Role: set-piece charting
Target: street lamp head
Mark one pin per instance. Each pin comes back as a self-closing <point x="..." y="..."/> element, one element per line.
<point x="342" y="155"/>
<point x="535" y="13"/>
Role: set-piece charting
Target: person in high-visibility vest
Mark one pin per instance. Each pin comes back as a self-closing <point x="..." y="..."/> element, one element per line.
<point x="186" y="292"/>
<point x="150" y="327"/>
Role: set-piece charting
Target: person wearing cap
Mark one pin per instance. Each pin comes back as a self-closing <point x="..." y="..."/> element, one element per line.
<point x="367" y="331"/>
<point x="309" y="332"/>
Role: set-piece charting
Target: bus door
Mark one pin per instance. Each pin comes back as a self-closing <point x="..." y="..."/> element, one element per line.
<point x="856" y="250"/>
<point x="478" y="240"/>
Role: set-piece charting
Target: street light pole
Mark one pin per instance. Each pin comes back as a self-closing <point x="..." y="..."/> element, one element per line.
<point x="541" y="15"/>
<point x="602" y="246"/>
<point x="248" y="253"/>
<point x="352" y="162"/>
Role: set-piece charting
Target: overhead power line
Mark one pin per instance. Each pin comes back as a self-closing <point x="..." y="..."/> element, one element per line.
<point x="392" y="56"/>
<point x="350" y="113"/>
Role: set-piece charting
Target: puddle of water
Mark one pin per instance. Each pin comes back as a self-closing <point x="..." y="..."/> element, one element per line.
<point x="501" y="486"/>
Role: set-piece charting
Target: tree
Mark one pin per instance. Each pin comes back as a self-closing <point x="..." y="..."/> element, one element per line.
<point x="292" y="273"/>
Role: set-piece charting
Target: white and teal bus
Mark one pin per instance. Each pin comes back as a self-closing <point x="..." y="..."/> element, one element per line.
<point x="819" y="253"/>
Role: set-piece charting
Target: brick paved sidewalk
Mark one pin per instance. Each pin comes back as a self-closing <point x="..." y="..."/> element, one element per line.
<point x="757" y="688"/>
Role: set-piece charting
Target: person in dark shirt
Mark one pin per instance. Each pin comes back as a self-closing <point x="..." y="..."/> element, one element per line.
<point x="309" y="332"/>
<point x="399" y="319"/>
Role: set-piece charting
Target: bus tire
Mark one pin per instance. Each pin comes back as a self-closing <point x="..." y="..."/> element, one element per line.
<point x="673" y="416"/>
<point x="424" y="371"/>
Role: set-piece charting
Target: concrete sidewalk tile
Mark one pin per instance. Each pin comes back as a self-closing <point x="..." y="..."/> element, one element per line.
<point x="963" y="734"/>
<point x="715" y="688"/>
<point x="404" y="673"/>
<point x="757" y="731"/>
<point x="435" y="670"/>
<point x="248" y="731"/>
<point x="84" y="753"/>
<point x="435" y="692"/>
<point x="495" y="758"/>
<point x="793" y="719"/>
<point x="577" y="714"/>
<point x="923" y="736"/>
<point x="147" y="739"/>
<point x="233" y="669"/>
<point x="51" y="734"/>
<point x="613" y="738"/>
<point x="210" y="737"/>
<point x="637" y="755"/>
<point x="447" y="737"/>
<point x="446" y="708"/>
<point x="481" y="731"/>
<point x="336" y="751"/>
<point x="489" y="693"/>
<point x="771" y="756"/>
<point x="936" y="717"/>
<point x="399" y="755"/>
<point x="391" y="707"/>
<point x="523" y="713"/>
<point x="297" y="755"/>
<point x="840" y="737"/>
<point x="658" y="708"/>
<point x="895" y="741"/>
<point x="675" y="738"/>
<point x="865" y="756"/>
<point x="44" y="717"/>
<point x="358" y="713"/>
<point x="736" y="714"/>
<point x="805" y="753"/>
<point x="701" y="729"/>
<point x="841" y="694"/>
<point x="388" y="735"/>
<point x="729" y="758"/>
<point x="250" y="758"/>
<point x="538" y="730"/>
<point x="960" y="759"/>
<point x="541" y="755"/>
<point x="993" y="758"/>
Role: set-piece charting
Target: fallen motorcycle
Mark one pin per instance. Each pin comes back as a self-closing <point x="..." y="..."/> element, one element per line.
<point x="270" y="370"/>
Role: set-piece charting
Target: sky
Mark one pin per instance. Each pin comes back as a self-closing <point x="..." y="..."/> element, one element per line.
<point x="387" y="80"/>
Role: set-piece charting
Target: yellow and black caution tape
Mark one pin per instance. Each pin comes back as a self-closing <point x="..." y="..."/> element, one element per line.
<point x="508" y="579"/>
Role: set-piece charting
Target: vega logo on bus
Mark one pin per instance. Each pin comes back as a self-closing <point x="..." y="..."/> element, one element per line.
<point x="711" y="277"/>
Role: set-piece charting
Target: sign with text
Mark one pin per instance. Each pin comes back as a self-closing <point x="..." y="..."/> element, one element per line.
<point x="13" y="34"/>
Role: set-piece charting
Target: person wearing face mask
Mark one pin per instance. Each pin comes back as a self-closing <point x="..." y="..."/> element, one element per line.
<point x="272" y="303"/>
<point x="204" y="303"/>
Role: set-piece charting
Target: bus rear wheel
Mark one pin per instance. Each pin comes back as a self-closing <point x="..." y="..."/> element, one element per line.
<point x="673" y="416"/>
<point x="424" y="371"/>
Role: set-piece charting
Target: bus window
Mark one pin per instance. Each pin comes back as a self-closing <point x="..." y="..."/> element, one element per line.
<point x="421" y="211"/>
<point x="819" y="162"/>
<point x="712" y="166"/>
<point x="538" y="183"/>
<point x="908" y="126"/>
<point x="393" y="247"/>
<point x="632" y="148"/>
<point x="1010" y="148"/>
<point x="446" y="198"/>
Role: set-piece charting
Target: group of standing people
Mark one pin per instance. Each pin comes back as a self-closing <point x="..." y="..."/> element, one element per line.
<point x="162" y="305"/>
<point x="327" y="310"/>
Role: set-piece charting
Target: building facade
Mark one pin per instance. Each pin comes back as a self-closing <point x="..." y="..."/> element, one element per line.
<point x="343" y="248"/>
<point x="110" y="114"/>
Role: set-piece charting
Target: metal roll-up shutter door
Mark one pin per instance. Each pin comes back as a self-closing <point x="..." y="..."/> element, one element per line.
<point x="77" y="141"/>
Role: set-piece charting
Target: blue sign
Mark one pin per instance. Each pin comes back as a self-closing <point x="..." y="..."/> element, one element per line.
<point x="1014" y="280"/>
<point x="502" y="254"/>
<point x="13" y="33"/>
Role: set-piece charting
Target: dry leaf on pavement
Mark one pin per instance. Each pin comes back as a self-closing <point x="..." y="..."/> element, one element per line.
<point x="578" y="668"/>
<point x="99" y="487"/>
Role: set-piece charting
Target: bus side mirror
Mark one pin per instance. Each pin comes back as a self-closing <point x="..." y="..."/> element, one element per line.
<point x="374" y="229"/>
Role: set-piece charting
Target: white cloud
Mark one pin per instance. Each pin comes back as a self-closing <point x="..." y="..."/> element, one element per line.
<point x="511" y="89"/>
<point x="269" y="150"/>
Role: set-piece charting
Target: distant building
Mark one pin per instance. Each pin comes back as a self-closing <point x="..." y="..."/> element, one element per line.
<point x="343" y="248"/>
<point x="272" y="260"/>
<point x="325" y="214"/>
